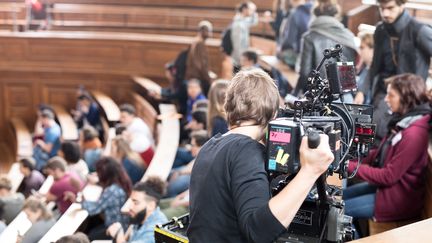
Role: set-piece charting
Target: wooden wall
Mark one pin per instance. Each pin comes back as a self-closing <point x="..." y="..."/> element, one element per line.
<point x="46" y="67"/>
<point x="86" y="52"/>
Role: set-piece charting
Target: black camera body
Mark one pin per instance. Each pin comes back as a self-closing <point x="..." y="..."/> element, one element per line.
<point x="351" y="132"/>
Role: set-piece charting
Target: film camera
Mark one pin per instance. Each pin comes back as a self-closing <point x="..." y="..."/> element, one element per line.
<point x="322" y="110"/>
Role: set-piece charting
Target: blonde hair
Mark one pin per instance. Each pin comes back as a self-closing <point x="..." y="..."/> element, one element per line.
<point x="252" y="96"/>
<point x="216" y="100"/>
<point x="367" y="39"/>
<point x="33" y="204"/>
<point x="5" y="183"/>
<point x="124" y="150"/>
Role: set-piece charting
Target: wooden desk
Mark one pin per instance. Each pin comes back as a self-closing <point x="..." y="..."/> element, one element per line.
<point x="108" y="106"/>
<point x="67" y="224"/>
<point x="68" y="125"/>
<point x="24" y="143"/>
<point x="414" y="233"/>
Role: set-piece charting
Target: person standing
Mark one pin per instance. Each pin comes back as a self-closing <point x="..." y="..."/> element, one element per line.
<point x="402" y="45"/>
<point x="245" y="18"/>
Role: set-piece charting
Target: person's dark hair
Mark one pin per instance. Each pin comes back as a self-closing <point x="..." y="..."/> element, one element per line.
<point x="398" y="2"/>
<point x="89" y="133"/>
<point x="71" y="152"/>
<point x="153" y="187"/>
<point x="200" y="115"/>
<point x="75" y="238"/>
<point x="242" y="6"/>
<point x="119" y="129"/>
<point x="128" y="108"/>
<point x="327" y="8"/>
<point x="42" y="107"/>
<point x="56" y="162"/>
<point x="111" y="172"/>
<point x="46" y="113"/>
<point x="201" y="104"/>
<point x="28" y="162"/>
<point x="85" y="96"/>
<point x="251" y="56"/>
<point x="200" y="136"/>
<point x="412" y="90"/>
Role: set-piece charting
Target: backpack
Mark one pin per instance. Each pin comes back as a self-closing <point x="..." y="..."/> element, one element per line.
<point x="226" y="43"/>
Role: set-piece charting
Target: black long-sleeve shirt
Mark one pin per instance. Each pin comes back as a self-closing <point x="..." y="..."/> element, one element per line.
<point x="230" y="193"/>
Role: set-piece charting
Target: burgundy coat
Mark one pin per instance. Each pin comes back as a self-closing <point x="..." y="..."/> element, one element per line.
<point x="401" y="181"/>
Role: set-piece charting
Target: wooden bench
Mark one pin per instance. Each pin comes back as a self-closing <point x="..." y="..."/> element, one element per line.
<point x="221" y="4"/>
<point x="166" y="149"/>
<point x="66" y="122"/>
<point x="15" y="176"/>
<point x="21" y="224"/>
<point x="108" y="107"/>
<point x="67" y="224"/>
<point x="148" y="17"/>
<point x="23" y="144"/>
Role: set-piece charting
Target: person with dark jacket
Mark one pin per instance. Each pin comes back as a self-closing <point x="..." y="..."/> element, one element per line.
<point x="291" y="33"/>
<point x="197" y="62"/>
<point x="403" y="45"/>
<point x="325" y="31"/>
<point x="394" y="174"/>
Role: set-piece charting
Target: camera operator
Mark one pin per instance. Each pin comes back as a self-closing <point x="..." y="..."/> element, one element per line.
<point x="230" y="193"/>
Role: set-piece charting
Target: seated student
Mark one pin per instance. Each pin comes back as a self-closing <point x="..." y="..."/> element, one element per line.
<point x="198" y="122"/>
<point x="116" y="189"/>
<point x="33" y="179"/>
<point x="180" y="177"/>
<point x="88" y="113"/>
<point x="394" y="185"/>
<point x="41" y="218"/>
<point x="144" y="212"/>
<point x="70" y="151"/>
<point x="249" y="59"/>
<point x="216" y="118"/>
<point x="63" y="182"/>
<point x="91" y="146"/>
<point x="49" y="146"/>
<point x="38" y="132"/>
<point x="137" y="133"/>
<point x="194" y="94"/>
<point x="130" y="160"/>
<point x="10" y="202"/>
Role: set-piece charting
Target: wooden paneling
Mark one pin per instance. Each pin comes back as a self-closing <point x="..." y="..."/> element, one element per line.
<point x="227" y="4"/>
<point x="83" y="52"/>
<point x="22" y="91"/>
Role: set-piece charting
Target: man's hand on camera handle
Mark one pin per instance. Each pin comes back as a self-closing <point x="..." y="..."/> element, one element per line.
<point x="314" y="162"/>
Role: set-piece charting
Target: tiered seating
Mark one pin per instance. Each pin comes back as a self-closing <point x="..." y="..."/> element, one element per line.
<point x="132" y="18"/>
<point x="20" y="225"/>
<point x="23" y="145"/>
<point x="221" y="4"/>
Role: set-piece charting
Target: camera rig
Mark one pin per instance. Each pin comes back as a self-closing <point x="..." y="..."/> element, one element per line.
<point x="322" y="110"/>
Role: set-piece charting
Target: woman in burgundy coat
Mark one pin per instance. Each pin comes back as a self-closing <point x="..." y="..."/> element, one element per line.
<point x="394" y="174"/>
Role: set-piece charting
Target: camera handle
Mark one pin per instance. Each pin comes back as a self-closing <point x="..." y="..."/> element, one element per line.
<point x="313" y="142"/>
